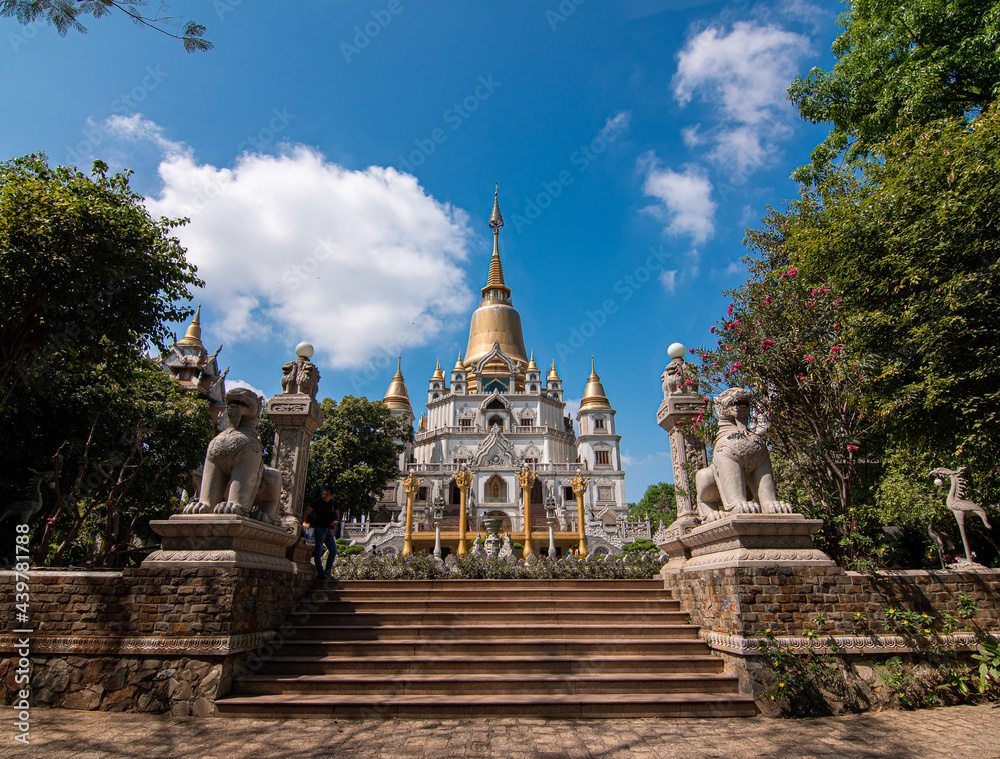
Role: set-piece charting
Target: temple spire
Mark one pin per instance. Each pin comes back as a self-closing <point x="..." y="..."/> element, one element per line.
<point x="193" y="334"/>
<point x="495" y="279"/>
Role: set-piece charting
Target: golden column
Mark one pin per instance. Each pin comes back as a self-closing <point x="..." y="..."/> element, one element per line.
<point x="411" y="486"/>
<point x="527" y="478"/>
<point x="579" y="484"/>
<point x="463" y="479"/>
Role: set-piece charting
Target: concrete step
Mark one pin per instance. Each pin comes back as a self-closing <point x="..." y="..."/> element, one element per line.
<point x="452" y="684"/>
<point x="487" y="634"/>
<point x="577" y="706"/>
<point x="396" y="666"/>
<point x="511" y="619"/>
<point x="492" y="586"/>
<point x="553" y="606"/>
<point x="474" y="596"/>
<point x="520" y="647"/>
<point x="472" y="648"/>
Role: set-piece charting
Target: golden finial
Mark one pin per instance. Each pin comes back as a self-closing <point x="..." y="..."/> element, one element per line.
<point x="594" y="395"/>
<point x="459" y="366"/>
<point x="193" y="334"/>
<point x="553" y="374"/>
<point x="532" y="366"/>
<point x="496" y="218"/>
<point x="438" y="374"/>
<point x="396" y="397"/>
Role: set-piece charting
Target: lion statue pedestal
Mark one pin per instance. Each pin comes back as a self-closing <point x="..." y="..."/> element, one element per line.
<point x="739" y="522"/>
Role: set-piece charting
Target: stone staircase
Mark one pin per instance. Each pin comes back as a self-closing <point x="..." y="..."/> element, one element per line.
<point x="468" y="648"/>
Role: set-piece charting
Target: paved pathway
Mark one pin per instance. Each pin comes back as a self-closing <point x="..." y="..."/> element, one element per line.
<point x="959" y="732"/>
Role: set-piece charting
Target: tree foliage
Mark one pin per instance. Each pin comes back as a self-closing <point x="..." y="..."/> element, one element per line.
<point x="899" y="66"/>
<point x="122" y="444"/>
<point x="355" y="451"/>
<point x="87" y="274"/>
<point x="658" y="504"/>
<point x="65" y="15"/>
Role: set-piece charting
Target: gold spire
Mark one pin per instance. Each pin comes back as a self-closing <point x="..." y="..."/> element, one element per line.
<point x="553" y="374"/>
<point x="438" y="374"/>
<point x="396" y="397"/>
<point x="495" y="279"/>
<point x="594" y="396"/>
<point x="496" y="320"/>
<point x="459" y="366"/>
<point x="532" y="366"/>
<point x="193" y="334"/>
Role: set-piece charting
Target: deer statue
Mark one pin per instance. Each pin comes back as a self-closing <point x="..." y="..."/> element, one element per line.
<point x="960" y="506"/>
<point x="25" y="510"/>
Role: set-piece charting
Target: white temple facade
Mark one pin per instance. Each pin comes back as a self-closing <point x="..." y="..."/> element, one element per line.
<point x="496" y="412"/>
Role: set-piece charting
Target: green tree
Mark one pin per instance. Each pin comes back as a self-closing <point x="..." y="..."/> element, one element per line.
<point x="87" y="274"/>
<point x="900" y="65"/>
<point x="122" y="444"/>
<point x="356" y="451"/>
<point x="783" y="338"/>
<point x="66" y="14"/>
<point x="912" y="246"/>
<point x="658" y="504"/>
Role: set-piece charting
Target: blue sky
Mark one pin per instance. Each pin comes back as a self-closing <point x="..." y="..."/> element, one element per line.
<point x="337" y="161"/>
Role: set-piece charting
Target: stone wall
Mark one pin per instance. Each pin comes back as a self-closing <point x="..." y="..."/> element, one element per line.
<point x="142" y="639"/>
<point x="737" y="607"/>
<point x="744" y="602"/>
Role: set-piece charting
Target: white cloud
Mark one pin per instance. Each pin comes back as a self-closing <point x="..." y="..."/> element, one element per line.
<point x="668" y="278"/>
<point x="687" y="207"/>
<point x="649" y="458"/>
<point x="233" y="384"/>
<point x="137" y="128"/>
<point x="572" y="407"/>
<point x="743" y="75"/>
<point x="296" y="247"/>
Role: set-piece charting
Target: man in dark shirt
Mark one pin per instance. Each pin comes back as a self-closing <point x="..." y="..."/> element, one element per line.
<point x="324" y="517"/>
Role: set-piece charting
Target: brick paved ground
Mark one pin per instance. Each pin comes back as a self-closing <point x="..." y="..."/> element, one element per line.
<point x="961" y="732"/>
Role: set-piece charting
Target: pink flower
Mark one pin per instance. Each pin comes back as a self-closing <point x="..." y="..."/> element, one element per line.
<point x="729" y="311"/>
<point x="712" y="330"/>
<point x="765" y="343"/>
<point x="792" y="272"/>
<point x="803" y="378"/>
<point x="767" y="300"/>
<point x="687" y="382"/>
<point x="836" y="348"/>
<point x="704" y="357"/>
<point x="737" y="365"/>
<point x="852" y="448"/>
<point x="736" y="323"/>
<point x="809" y="358"/>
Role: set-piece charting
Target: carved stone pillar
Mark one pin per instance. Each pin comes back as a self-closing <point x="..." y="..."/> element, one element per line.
<point x="296" y="416"/>
<point x="682" y="404"/>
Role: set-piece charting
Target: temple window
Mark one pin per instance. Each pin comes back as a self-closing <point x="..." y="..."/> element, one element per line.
<point x="602" y="458"/>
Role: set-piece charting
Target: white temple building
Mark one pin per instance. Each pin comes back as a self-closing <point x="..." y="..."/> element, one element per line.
<point x="497" y="411"/>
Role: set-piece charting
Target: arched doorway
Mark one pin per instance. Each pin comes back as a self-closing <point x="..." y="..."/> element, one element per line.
<point x="505" y="526"/>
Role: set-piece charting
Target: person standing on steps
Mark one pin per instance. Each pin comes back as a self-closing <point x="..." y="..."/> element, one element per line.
<point x="324" y="518"/>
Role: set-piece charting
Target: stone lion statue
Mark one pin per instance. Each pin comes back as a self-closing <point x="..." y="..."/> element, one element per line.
<point x="234" y="479"/>
<point x="673" y="378"/>
<point x="739" y="479"/>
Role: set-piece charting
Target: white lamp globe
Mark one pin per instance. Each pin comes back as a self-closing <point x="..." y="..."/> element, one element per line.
<point x="304" y="350"/>
<point x="677" y="350"/>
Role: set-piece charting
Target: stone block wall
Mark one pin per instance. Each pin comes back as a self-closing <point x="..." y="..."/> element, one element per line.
<point x="746" y="601"/>
<point x="142" y="639"/>
<point x="736" y="607"/>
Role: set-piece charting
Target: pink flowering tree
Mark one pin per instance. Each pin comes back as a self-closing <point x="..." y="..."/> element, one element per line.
<point x="781" y="338"/>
